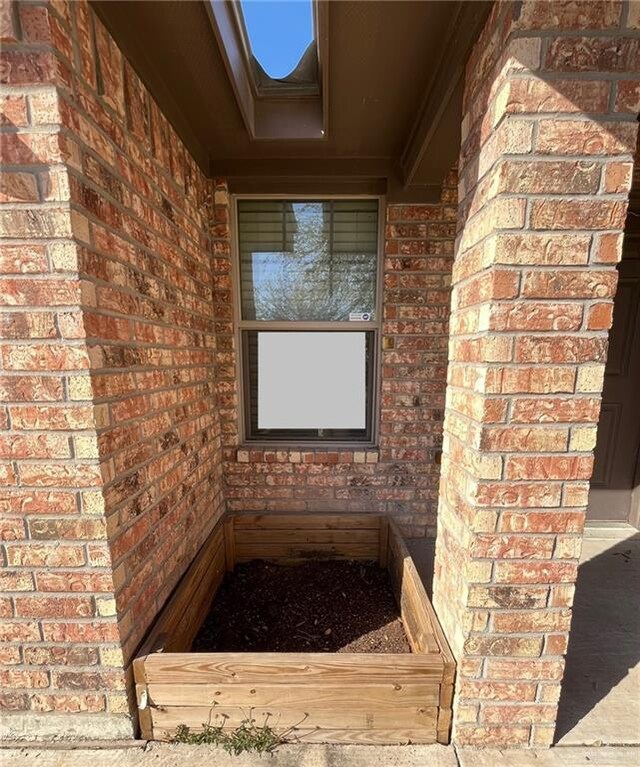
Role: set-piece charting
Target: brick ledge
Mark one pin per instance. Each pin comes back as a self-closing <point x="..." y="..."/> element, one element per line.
<point x="320" y="454"/>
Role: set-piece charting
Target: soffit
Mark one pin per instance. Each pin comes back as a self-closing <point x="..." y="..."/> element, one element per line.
<point x="383" y="60"/>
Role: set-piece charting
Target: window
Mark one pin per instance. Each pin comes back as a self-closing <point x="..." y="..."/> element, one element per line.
<point x="309" y="320"/>
<point x="279" y="33"/>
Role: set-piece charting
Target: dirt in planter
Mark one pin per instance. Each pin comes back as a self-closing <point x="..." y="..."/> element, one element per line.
<point x="317" y="606"/>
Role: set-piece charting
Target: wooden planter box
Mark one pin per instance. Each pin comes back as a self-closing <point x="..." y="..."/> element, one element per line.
<point x="326" y="697"/>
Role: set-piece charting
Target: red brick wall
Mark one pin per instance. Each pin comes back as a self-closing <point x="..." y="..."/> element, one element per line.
<point x="400" y="476"/>
<point x="146" y="260"/>
<point x="118" y="361"/>
<point x="549" y="132"/>
<point x="111" y="436"/>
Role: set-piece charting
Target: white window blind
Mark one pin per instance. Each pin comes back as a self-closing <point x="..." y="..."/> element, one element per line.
<point x="313" y="261"/>
<point x="308" y="322"/>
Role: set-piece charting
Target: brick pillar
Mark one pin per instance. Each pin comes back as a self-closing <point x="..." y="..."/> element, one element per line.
<point x="109" y="425"/>
<point x="549" y="132"/>
<point x="62" y="661"/>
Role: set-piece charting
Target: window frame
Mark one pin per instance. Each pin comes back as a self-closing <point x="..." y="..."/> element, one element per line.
<point x="240" y="326"/>
<point x="270" y="112"/>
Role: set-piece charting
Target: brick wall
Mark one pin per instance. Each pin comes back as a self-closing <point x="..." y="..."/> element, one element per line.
<point x="146" y="262"/>
<point x="549" y="132"/>
<point x="111" y="441"/>
<point x="118" y="362"/>
<point x="400" y="477"/>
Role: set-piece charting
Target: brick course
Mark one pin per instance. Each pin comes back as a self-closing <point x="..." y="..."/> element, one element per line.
<point x="545" y="171"/>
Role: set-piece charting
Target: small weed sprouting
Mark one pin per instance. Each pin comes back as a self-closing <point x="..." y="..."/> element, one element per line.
<point x="208" y="734"/>
<point x="249" y="736"/>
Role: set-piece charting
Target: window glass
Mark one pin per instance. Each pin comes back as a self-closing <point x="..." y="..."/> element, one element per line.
<point x="308" y="272"/>
<point x="288" y="396"/>
<point x="308" y="260"/>
<point x="279" y="32"/>
<point x="311" y="380"/>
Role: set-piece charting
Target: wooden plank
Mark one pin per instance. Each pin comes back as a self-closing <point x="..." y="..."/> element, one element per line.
<point x="414" y="620"/>
<point x="377" y="697"/>
<point x="198" y="607"/>
<point x="422" y="735"/>
<point x="423" y="599"/>
<point x="307" y="521"/>
<point x="449" y="673"/>
<point x="446" y="695"/>
<point x="443" y="728"/>
<point x="284" y="551"/>
<point x="419" y="633"/>
<point x="280" y="717"/>
<point x="193" y="593"/>
<point x="416" y="607"/>
<point x="383" y="541"/>
<point x="145" y="720"/>
<point x="300" y="560"/>
<point x="304" y="735"/>
<point x="445" y="713"/>
<point x="421" y="641"/>
<point x="229" y="544"/>
<point x="139" y="675"/>
<point x="291" y="668"/>
<point x="410" y="594"/>
<point x="199" y="594"/>
<point x="144" y="715"/>
<point x="246" y="536"/>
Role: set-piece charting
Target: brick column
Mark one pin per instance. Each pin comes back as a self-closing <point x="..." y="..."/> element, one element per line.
<point x="549" y="132"/>
<point x="61" y="654"/>
<point x="109" y="427"/>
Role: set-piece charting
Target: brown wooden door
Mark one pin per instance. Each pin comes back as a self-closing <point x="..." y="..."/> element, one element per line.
<point x="616" y="473"/>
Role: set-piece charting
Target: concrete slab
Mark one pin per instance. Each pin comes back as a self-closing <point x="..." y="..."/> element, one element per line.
<point x="166" y="755"/>
<point x="600" y="702"/>
<point x="27" y="725"/>
<point x="619" y="531"/>
<point x="555" y="757"/>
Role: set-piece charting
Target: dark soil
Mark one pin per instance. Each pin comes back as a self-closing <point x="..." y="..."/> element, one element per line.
<point x="318" y="606"/>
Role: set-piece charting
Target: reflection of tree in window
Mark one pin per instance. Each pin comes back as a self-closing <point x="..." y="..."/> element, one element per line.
<point x="308" y="260"/>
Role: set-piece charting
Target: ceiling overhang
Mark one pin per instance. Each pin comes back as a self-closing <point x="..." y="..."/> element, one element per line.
<point x="312" y="176"/>
<point x="443" y="97"/>
<point x="385" y="117"/>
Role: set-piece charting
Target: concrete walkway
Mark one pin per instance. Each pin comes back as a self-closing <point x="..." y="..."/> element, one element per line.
<point x="560" y="756"/>
<point x="164" y="755"/>
<point x="600" y="701"/>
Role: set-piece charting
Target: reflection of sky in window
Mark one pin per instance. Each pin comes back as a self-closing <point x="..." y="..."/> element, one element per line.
<point x="279" y="32"/>
<point x="309" y="221"/>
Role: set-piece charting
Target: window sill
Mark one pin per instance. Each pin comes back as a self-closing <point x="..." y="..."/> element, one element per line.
<point x="306" y="455"/>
